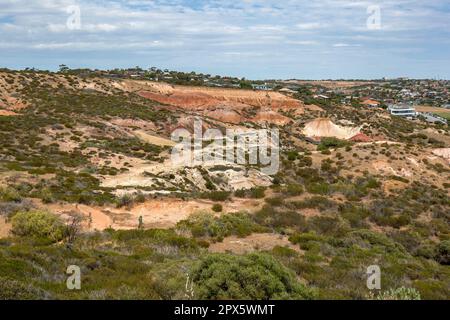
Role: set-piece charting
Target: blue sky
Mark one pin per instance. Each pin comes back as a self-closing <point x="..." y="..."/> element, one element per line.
<point x="257" y="39"/>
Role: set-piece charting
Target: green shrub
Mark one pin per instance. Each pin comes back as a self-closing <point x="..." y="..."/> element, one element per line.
<point x="10" y="194"/>
<point x="292" y="155"/>
<point x="252" y="277"/>
<point x="327" y="225"/>
<point x="284" y="252"/>
<point x="217" y="207"/>
<point x="124" y="201"/>
<point x="443" y="255"/>
<point x="207" y="225"/>
<point x="327" y="143"/>
<point x="355" y="215"/>
<point x="47" y="196"/>
<point x="318" y="188"/>
<point x="280" y="221"/>
<point x="294" y="189"/>
<point x="275" y="202"/>
<point x="315" y="202"/>
<point x="8" y="209"/>
<point x="254" y="193"/>
<point x="305" y="161"/>
<point x="306" y="240"/>
<point x="40" y="224"/>
<point x="216" y="195"/>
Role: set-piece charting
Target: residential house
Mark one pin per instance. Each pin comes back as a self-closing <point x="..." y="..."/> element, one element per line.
<point x="370" y="103"/>
<point x="402" y="110"/>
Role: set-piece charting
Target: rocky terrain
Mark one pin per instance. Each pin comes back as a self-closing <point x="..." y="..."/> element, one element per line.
<point x="356" y="187"/>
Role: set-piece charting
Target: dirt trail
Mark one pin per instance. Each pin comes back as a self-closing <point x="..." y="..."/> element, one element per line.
<point x="96" y="218"/>
<point x="158" y="141"/>
<point x="156" y="213"/>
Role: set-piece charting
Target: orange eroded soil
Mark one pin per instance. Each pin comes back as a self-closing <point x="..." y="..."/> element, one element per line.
<point x="156" y="213"/>
<point x="5" y="228"/>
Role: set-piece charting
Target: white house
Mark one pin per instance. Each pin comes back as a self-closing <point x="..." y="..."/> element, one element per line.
<point x="264" y="87"/>
<point x="402" y="110"/>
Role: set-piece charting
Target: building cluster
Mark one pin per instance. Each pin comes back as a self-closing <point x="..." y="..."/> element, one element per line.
<point x="417" y="92"/>
<point x="398" y="96"/>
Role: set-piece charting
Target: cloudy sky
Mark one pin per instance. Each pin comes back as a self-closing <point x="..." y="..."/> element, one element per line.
<point x="257" y="39"/>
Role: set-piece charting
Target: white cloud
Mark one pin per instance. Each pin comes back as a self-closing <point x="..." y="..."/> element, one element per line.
<point x="195" y="30"/>
<point x="303" y="42"/>
<point x="310" y="26"/>
<point x="343" y="45"/>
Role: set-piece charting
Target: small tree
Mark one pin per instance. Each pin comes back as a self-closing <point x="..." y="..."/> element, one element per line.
<point x="74" y="226"/>
<point x="63" y="68"/>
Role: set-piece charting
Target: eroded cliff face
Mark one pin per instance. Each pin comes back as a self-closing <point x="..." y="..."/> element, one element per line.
<point x="226" y="105"/>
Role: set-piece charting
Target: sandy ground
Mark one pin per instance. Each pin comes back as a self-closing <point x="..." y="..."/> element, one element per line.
<point x="254" y="242"/>
<point x="443" y="153"/>
<point x="326" y="128"/>
<point x="159" y="141"/>
<point x="4" y="227"/>
<point x="156" y="213"/>
<point x="7" y="113"/>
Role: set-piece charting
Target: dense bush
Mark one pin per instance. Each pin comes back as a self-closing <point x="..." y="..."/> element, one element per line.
<point x="293" y="189"/>
<point x="10" y="194"/>
<point x="443" y="255"/>
<point x="255" y="276"/>
<point x="327" y="143"/>
<point x="216" y="195"/>
<point x="315" y="202"/>
<point x="281" y="221"/>
<point x="205" y="224"/>
<point x="8" y="209"/>
<point x="254" y="193"/>
<point x="39" y="224"/>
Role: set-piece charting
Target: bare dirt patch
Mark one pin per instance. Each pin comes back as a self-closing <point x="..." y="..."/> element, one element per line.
<point x="443" y="153"/>
<point x="326" y="128"/>
<point x="5" y="227"/>
<point x="156" y="213"/>
<point x="151" y="139"/>
<point x="8" y="113"/>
